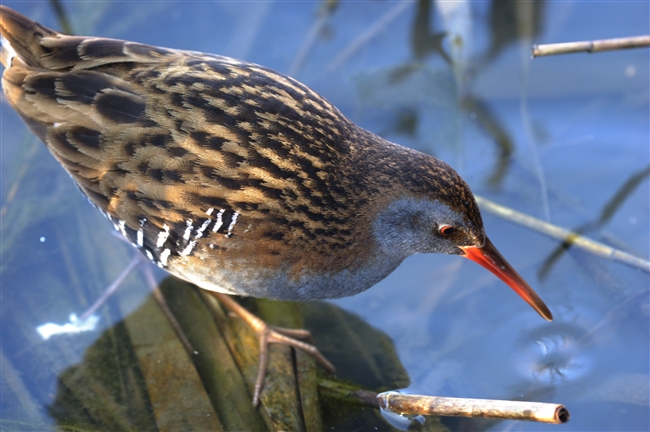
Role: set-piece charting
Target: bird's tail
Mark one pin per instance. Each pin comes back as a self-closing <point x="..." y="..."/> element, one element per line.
<point x="21" y="37"/>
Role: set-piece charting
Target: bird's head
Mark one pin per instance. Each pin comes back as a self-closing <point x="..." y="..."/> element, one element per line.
<point x="437" y="213"/>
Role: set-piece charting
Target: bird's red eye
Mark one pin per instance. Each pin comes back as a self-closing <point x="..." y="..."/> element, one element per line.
<point x="447" y="230"/>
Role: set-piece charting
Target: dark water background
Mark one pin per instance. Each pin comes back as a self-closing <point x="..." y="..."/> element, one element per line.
<point x="564" y="139"/>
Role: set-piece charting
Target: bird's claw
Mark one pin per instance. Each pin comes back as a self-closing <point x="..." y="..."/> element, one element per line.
<point x="268" y="334"/>
<point x="285" y="336"/>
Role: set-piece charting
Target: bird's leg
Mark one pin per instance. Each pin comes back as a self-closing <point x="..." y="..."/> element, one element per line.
<point x="269" y="334"/>
<point x="162" y="303"/>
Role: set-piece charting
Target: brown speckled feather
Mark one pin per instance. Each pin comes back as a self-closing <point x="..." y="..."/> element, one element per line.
<point x="223" y="172"/>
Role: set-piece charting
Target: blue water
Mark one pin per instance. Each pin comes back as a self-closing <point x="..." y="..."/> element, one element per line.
<point x="580" y="129"/>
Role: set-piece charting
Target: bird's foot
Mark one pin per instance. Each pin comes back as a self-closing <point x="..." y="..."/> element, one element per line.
<point x="268" y="334"/>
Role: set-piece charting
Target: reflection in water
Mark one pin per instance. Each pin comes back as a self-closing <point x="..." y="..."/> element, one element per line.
<point x="424" y="40"/>
<point x="320" y="28"/>
<point x="372" y="31"/>
<point x="62" y="16"/>
<point x="511" y="21"/>
<point x="608" y="211"/>
<point x="494" y="128"/>
<point x="403" y="422"/>
<point x="633" y="309"/>
<point x="137" y="376"/>
<point x="427" y="101"/>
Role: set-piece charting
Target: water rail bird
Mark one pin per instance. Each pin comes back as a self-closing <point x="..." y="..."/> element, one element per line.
<point x="234" y="177"/>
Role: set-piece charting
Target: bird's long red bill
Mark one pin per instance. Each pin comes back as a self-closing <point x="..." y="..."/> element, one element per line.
<point x="489" y="257"/>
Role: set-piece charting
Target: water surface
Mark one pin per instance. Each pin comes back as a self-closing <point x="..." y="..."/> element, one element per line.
<point x="564" y="139"/>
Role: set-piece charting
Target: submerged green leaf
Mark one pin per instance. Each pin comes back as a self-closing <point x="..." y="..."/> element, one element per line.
<point x="138" y="375"/>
